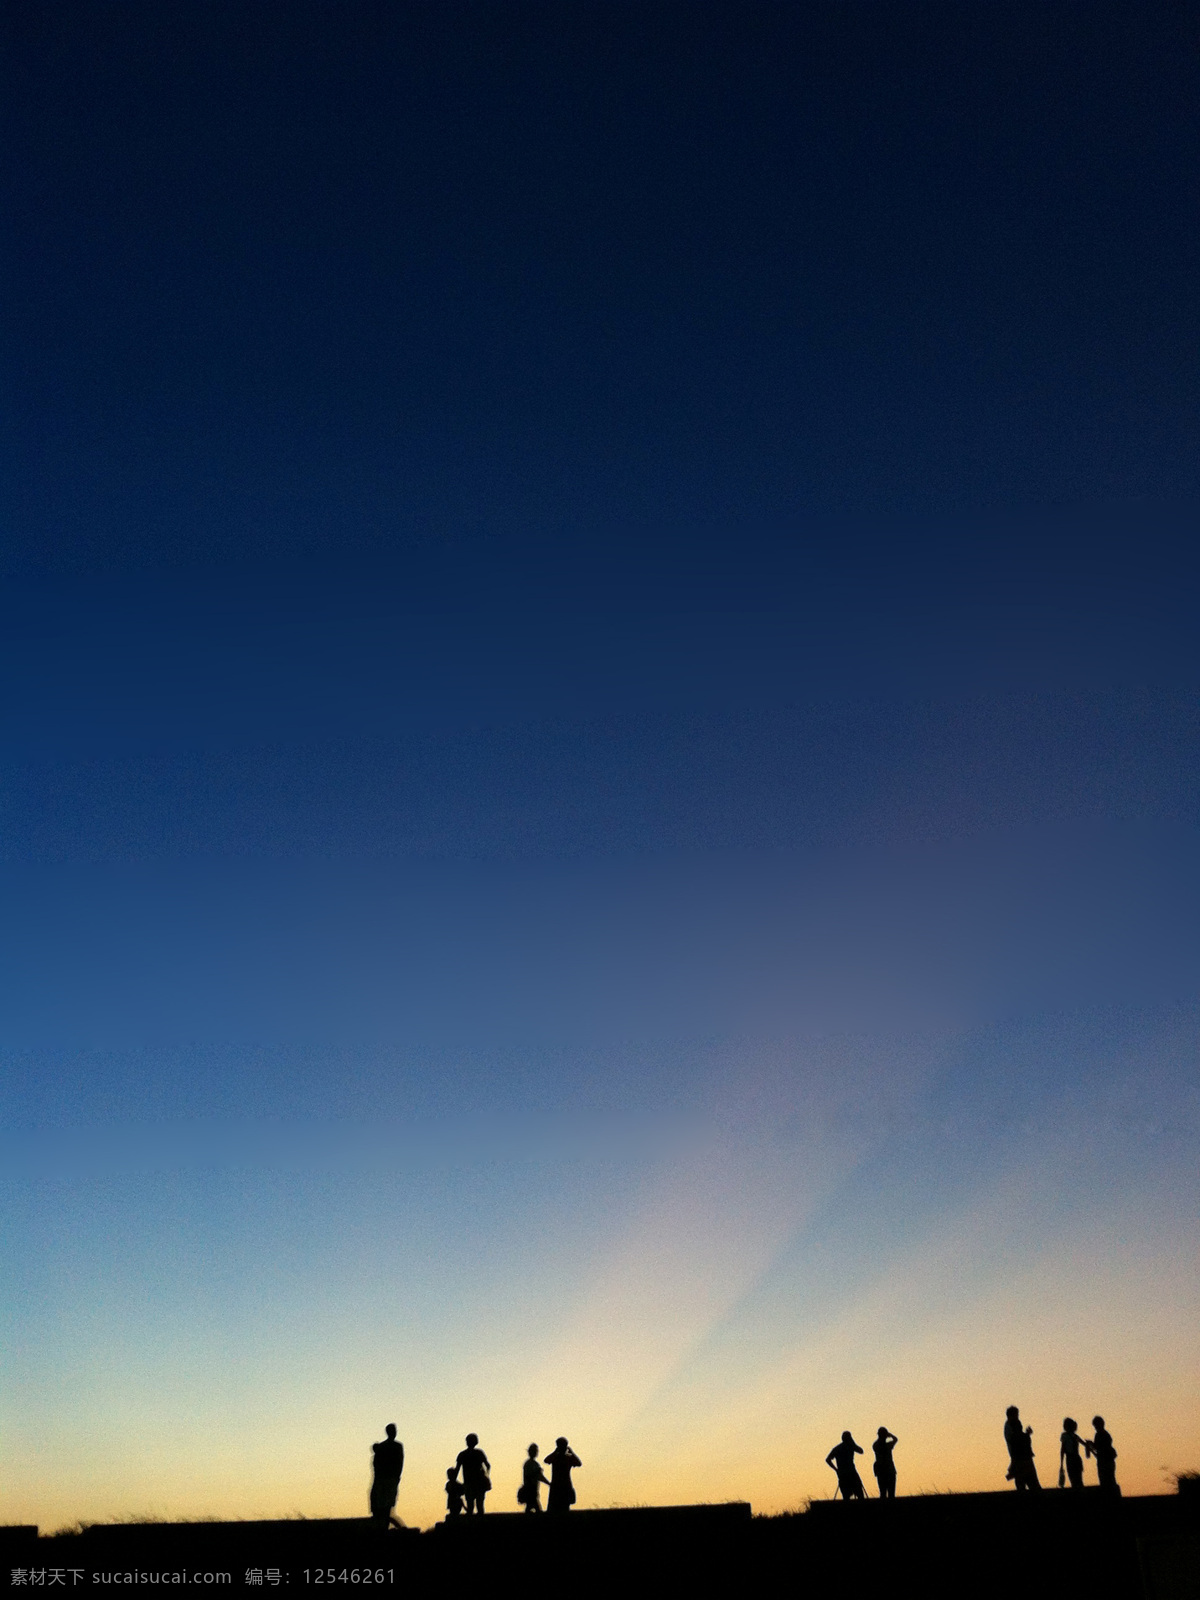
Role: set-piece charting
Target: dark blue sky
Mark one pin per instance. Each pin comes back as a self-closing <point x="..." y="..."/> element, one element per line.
<point x="510" y="434"/>
<point x="878" y="321"/>
<point x="464" y="290"/>
<point x="482" y="434"/>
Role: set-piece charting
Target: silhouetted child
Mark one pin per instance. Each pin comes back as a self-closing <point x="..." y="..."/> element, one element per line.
<point x="1069" y="1446"/>
<point x="1021" y="1471"/>
<point x="841" y="1459"/>
<point x="532" y="1478"/>
<point x="454" y="1493"/>
<point x="1101" y="1447"/>
<point x="885" y="1468"/>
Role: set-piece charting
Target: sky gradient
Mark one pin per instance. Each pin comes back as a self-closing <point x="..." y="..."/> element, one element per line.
<point x="598" y="817"/>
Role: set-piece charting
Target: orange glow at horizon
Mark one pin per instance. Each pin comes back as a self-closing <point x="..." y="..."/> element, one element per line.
<point x="660" y="1386"/>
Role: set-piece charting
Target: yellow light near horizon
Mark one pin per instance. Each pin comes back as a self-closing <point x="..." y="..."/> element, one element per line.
<point x="1084" y="1328"/>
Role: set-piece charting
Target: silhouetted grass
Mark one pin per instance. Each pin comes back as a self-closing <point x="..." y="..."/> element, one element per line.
<point x="138" y="1519"/>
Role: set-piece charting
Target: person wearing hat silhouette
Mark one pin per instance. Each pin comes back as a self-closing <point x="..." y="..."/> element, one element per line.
<point x="560" y="1461"/>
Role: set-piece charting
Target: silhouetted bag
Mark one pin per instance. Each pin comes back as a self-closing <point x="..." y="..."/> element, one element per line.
<point x="1062" y="1477"/>
<point x="522" y="1496"/>
<point x="485" y="1483"/>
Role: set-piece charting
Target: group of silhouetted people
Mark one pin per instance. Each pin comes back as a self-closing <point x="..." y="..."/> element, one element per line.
<point x="1021" y="1471"/>
<point x="466" y="1494"/>
<point x="841" y="1459"/>
<point x="469" y="1479"/>
<point x="1072" y="1449"/>
<point x="562" y="1491"/>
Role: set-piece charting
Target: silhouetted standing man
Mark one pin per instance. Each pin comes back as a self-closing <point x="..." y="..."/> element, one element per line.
<point x="385" y="1486"/>
<point x="1019" y="1440"/>
<point x="885" y="1468"/>
<point x="560" y="1461"/>
<point x="475" y="1467"/>
<point x="841" y="1459"/>
<point x="1101" y="1447"/>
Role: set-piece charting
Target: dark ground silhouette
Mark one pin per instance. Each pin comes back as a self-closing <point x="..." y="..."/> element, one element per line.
<point x="990" y="1546"/>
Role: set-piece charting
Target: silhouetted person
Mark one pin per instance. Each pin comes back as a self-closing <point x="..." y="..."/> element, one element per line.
<point x="885" y="1468"/>
<point x="454" y="1493"/>
<point x="1021" y="1470"/>
<point x="1100" y="1446"/>
<point x="1070" y="1460"/>
<point x="388" y="1457"/>
<point x="841" y="1459"/>
<point x="560" y="1461"/>
<point x="475" y="1467"/>
<point x="532" y="1479"/>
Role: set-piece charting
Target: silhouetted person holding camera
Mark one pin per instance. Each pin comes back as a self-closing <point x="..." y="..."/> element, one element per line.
<point x="388" y="1457"/>
<point x="885" y="1468"/>
<point x="1100" y="1446"/>
<point x="475" y="1467"/>
<point x="560" y="1461"/>
<point x="841" y="1459"/>
<point x="532" y="1478"/>
<point x="454" y="1493"/>
<point x="1070" y="1461"/>
<point x="1021" y="1471"/>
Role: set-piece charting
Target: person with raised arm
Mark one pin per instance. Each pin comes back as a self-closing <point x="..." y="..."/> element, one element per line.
<point x="885" y="1468"/>
<point x="1100" y="1448"/>
<point x="841" y="1459"/>
<point x="560" y="1461"/>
